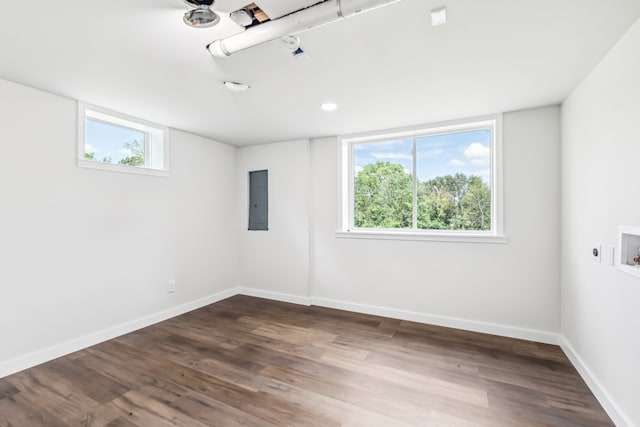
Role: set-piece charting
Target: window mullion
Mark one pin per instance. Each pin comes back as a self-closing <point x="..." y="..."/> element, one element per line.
<point x="147" y="150"/>
<point x="351" y="177"/>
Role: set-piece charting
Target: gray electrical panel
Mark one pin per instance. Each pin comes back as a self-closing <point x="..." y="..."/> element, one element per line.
<point x="258" y="200"/>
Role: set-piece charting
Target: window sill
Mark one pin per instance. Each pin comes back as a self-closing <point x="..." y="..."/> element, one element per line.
<point x="90" y="164"/>
<point x="423" y="236"/>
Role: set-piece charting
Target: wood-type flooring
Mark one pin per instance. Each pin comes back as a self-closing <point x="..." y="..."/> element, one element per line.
<point x="252" y="362"/>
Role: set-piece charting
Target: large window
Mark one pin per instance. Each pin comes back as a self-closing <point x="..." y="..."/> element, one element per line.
<point x="112" y="141"/>
<point x="440" y="182"/>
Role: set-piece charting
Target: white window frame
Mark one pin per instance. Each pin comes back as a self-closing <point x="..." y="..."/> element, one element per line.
<point x="156" y="141"/>
<point x="347" y="176"/>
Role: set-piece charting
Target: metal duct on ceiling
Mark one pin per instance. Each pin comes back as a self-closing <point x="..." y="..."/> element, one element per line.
<point x="320" y="14"/>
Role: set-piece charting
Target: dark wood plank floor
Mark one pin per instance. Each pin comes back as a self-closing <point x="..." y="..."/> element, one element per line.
<point x="252" y="362"/>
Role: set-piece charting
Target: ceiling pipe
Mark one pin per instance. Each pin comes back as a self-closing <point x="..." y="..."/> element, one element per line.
<point x="314" y="16"/>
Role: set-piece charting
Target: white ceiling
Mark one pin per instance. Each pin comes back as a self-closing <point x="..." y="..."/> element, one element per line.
<point x="385" y="68"/>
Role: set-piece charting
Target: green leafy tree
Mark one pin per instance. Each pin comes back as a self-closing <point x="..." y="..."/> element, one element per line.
<point x="454" y="202"/>
<point x="92" y="156"/>
<point x="383" y="196"/>
<point x="477" y="205"/>
<point x="383" y="199"/>
<point x="136" y="154"/>
<point x="438" y="202"/>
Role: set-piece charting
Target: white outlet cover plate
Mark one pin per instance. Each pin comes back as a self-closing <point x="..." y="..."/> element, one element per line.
<point x="598" y="248"/>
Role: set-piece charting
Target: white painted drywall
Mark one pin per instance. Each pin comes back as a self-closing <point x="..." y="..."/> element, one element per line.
<point x="83" y="250"/>
<point x="514" y="284"/>
<point x="276" y="260"/>
<point x="600" y="175"/>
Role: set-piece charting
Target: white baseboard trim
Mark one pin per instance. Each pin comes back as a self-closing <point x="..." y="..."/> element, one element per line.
<point x="275" y="296"/>
<point x="617" y="415"/>
<point x="47" y="354"/>
<point x="451" y="322"/>
<point x="41" y="356"/>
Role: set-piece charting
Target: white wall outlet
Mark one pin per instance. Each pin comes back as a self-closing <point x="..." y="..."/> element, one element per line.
<point x="172" y="286"/>
<point x="596" y="252"/>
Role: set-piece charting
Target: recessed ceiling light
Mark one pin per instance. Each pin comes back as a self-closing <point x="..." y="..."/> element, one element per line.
<point x="329" y="106"/>
<point x="236" y="87"/>
<point x="439" y="16"/>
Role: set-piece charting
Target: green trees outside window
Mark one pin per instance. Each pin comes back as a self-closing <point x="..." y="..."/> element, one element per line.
<point x="383" y="198"/>
<point x="135" y="157"/>
<point x="136" y="154"/>
<point x="431" y="179"/>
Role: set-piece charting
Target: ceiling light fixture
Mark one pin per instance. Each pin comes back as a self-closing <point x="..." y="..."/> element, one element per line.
<point x="439" y="16"/>
<point x="319" y="14"/>
<point x="236" y="87"/>
<point x="329" y="106"/>
<point x="200" y="14"/>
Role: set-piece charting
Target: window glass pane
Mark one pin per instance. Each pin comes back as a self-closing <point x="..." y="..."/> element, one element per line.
<point x="383" y="184"/>
<point x="112" y="143"/>
<point x="454" y="181"/>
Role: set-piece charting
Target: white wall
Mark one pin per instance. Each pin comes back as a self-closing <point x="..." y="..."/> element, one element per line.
<point x="85" y="250"/>
<point x="508" y="288"/>
<point x="276" y="261"/>
<point x="600" y="175"/>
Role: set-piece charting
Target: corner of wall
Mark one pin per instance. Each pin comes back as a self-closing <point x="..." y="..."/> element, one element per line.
<point x="605" y="399"/>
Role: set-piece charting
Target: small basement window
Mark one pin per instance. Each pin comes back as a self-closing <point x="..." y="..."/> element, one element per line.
<point x="112" y="141"/>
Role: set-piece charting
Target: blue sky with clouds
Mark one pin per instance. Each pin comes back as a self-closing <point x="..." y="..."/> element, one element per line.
<point x="438" y="155"/>
<point x="108" y="140"/>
